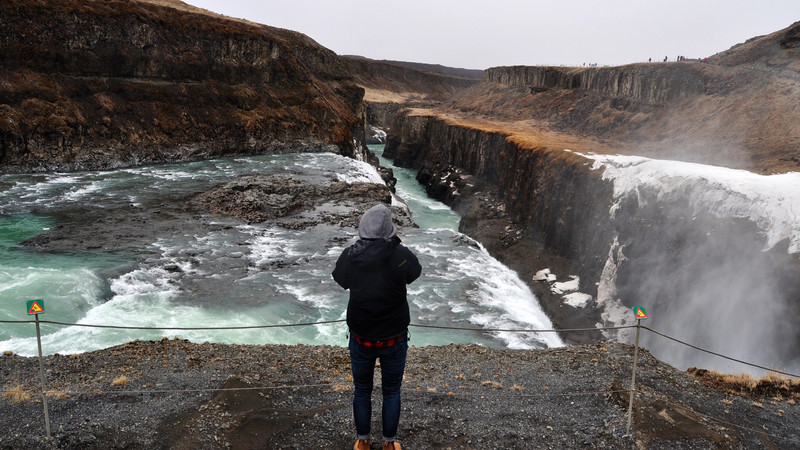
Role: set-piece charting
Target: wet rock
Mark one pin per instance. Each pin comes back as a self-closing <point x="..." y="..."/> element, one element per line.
<point x="296" y="204"/>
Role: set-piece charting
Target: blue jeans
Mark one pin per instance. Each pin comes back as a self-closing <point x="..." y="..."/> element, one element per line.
<point x="393" y="364"/>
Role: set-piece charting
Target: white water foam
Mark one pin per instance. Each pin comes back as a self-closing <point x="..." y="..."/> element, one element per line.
<point x="493" y="295"/>
<point x="269" y="246"/>
<point x="363" y="173"/>
<point x="80" y="193"/>
<point x="68" y="294"/>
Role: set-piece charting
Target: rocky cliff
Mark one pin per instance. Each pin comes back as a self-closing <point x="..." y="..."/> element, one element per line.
<point x="737" y="109"/>
<point x="543" y="208"/>
<point x="523" y="204"/>
<point x="519" y="155"/>
<point x="97" y="84"/>
<point x="645" y="83"/>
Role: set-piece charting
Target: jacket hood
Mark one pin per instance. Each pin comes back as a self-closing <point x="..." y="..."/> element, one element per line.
<point x="376" y="223"/>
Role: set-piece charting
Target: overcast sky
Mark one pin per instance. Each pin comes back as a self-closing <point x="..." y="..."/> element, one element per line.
<point x="479" y="34"/>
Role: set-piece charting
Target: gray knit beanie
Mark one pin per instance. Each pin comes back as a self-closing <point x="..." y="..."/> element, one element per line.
<point x="376" y="223"/>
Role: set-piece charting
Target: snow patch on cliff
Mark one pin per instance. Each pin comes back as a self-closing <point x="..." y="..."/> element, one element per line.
<point x="568" y="290"/>
<point x="772" y="202"/>
<point x="614" y="313"/>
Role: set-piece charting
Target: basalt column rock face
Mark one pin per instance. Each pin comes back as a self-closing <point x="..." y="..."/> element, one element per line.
<point x="554" y="196"/>
<point x="99" y="84"/>
<point x="645" y="83"/>
<point x="532" y="209"/>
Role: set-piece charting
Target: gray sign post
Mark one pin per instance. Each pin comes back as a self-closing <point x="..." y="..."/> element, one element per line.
<point x="640" y="314"/>
<point x="36" y="307"/>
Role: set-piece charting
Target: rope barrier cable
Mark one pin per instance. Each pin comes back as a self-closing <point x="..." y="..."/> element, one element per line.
<point x="509" y="330"/>
<point x="719" y="354"/>
<point x="177" y="391"/>
<point x="123" y="327"/>
<point x="443" y="327"/>
<point x="329" y="385"/>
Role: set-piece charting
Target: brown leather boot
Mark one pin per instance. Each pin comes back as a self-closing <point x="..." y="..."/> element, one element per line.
<point x="361" y="444"/>
<point x="394" y="445"/>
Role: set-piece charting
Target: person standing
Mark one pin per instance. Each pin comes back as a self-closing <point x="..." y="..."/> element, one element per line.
<point x="376" y="270"/>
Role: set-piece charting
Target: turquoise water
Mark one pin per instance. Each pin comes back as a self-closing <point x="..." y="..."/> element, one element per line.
<point x="70" y="281"/>
<point x="235" y="275"/>
<point x="426" y="212"/>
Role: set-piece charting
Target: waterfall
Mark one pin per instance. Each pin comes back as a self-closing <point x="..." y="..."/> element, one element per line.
<point x="712" y="253"/>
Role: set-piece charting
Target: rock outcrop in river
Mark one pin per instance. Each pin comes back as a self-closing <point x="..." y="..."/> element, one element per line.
<point x="101" y="84"/>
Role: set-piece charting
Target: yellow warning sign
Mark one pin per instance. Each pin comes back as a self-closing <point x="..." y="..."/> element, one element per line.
<point x="35" y="306"/>
<point x="639" y="312"/>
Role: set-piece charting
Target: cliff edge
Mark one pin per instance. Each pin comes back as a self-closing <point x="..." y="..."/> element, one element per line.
<point x="391" y="87"/>
<point x="735" y="109"/>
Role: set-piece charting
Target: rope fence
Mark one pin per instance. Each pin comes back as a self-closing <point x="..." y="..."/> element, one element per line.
<point x="123" y="327"/>
<point x="631" y="392"/>
<point x="441" y="327"/>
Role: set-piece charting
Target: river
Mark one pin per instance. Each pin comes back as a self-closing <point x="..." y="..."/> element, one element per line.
<point x="236" y="275"/>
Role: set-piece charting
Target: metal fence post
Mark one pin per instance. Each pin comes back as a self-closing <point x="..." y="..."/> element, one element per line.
<point x="41" y="377"/>
<point x="633" y="378"/>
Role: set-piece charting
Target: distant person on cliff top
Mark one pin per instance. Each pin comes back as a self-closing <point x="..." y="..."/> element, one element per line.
<point x="377" y="269"/>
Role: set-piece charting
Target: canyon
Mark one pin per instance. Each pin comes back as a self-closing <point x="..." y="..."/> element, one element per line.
<point x="519" y="155"/>
<point x="654" y="185"/>
<point x="517" y="151"/>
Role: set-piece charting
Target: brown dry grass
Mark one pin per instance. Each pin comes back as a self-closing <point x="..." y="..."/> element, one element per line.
<point x="57" y="394"/>
<point x="771" y="384"/>
<point x="386" y="96"/>
<point x="527" y="134"/>
<point x="181" y="6"/>
<point x="17" y="394"/>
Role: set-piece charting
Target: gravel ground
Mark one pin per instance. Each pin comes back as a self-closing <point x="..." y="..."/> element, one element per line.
<point x="176" y="394"/>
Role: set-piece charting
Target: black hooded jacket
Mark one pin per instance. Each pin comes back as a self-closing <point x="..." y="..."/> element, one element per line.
<point x="377" y="271"/>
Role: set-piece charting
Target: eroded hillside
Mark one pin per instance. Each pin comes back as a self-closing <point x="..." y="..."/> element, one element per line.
<point x="739" y="109"/>
<point x="97" y="84"/>
<point x="391" y="87"/>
